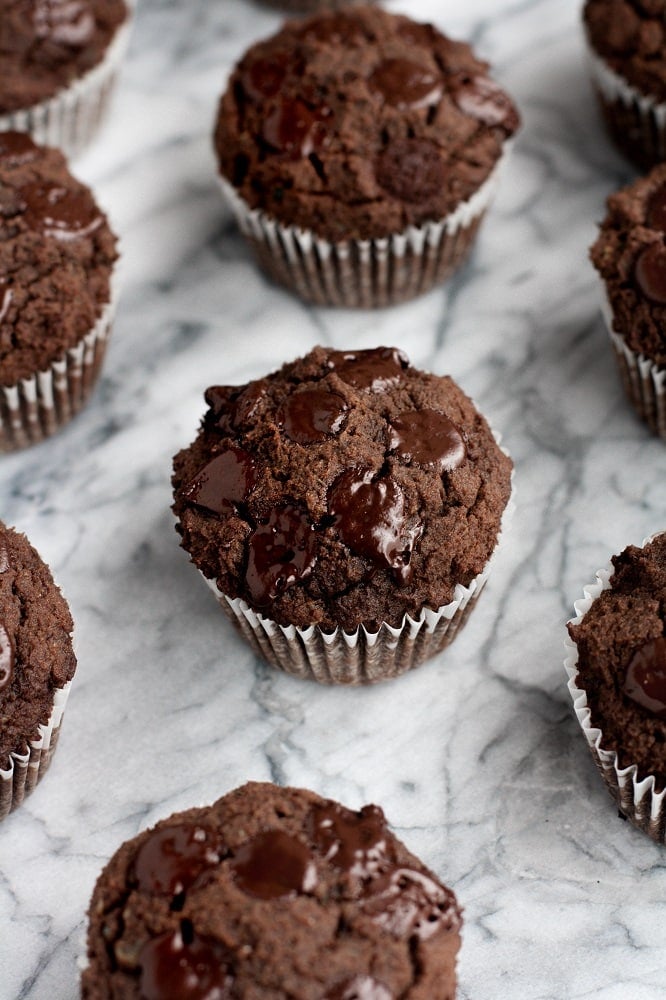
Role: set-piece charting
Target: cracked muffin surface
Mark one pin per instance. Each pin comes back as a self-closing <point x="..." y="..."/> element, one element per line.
<point x="357" y="124"/>
<point x="36" y="654"/>
<point x="346" y="488"/>
<point x="57" y="253"/>
<point x="271" y="893"/>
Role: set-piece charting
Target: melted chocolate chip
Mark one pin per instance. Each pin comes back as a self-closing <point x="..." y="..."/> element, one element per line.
<point x="16" y="148"/>
<point x="354" y="842"/>
<point x="375" y="369"/>
<point x="294" y="128"/>
<point x="483" y="99"/>
<point x="5" y="303"/>
<point x="246" y="404"/>
<point x="370" y="517"/>
<point x="312" y="415"/>
<point x="406" y="904"/>
<point x="411" y="170"/>
<point x="645" y="681"/>
<point x="174" y="857"/>
<point x="6" y="658"/>
<point x="656" y="209"/>
<point x="193" y="969"/>
<point x="68" y="23"/>
<point x="650" y="272"/>
<point x="227" y="480"/>
<point x="427" y="437"/>
<point x="406" y="84"/>
<point x="58" y="211"/>
<point x="358" y="988"/>
<point x="280" y="553"/>
<point x="264" y="76"/>
<point x="272" y="865"/>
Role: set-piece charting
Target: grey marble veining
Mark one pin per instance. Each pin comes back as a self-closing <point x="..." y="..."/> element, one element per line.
<point x="475" y="757"/>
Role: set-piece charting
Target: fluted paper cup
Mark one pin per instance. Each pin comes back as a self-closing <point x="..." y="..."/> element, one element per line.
<point x="637" y="799"/>
<point x="29" y="764"/>
<point x="364" y="273"/>
<point x="70" y="119"/>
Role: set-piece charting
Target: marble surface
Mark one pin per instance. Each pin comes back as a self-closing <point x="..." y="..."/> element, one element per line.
<point x="475" y="757"/>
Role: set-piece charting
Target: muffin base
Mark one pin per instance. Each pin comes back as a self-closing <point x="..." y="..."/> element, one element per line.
<point x="636" y="799"/>
<point x="70" y="119"/>
<point x="36" y="407"/>
<point x="28" y="767"/>
<point x="635" y="122"/>
<point x="366" y="274"/>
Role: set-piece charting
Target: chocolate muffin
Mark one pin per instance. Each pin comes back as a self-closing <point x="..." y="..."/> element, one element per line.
<point x="617" y="670"/>
<point x="627" y="48"/>
<point x="57" y="257"/>
<point x="347" y="489"/>
<point x="271" y="893"/>
<point x="37" y="663"/>
<point x="359" y="150"/>
<point x="58" y="60"/>
<point x="630" y="256"/>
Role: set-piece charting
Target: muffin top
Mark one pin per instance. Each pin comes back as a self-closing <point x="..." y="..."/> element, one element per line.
<point x="630" y="255"/>
<point x="346" y="488"/>
<point x="47" y="44"/>
<point x="359" y="123"/>
<point x="630" y="36"/>
<point x="36" y="654"/>
<point x="622" y="659"/>
<point x="56" y="256"/>
<point x="268" y="893"/>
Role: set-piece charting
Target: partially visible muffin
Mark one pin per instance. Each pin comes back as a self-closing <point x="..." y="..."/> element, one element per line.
<point x="630" y="256"/>
<point x="309" y="6"/>
<point x="627" y="47"/>
<point x="57" y="259"/>
<point x="347" y="489"/>
<point x="58" y="60"/>
<point x="617" y="669"/>
<point x="267" y="894"/>
<point x="359" y="150"/>
<point x="36" y="664"/>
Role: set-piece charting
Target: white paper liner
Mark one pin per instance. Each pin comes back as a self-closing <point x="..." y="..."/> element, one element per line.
<point x="638" y="125"/>
<point x="363" y="656"/>
<point x="644" y="381"/>
<point x="637" y="800"/>
<point x="70" y="118"/>
<point x="27" y="767"/>
<point x="364" y="273"/>
<point x="37" y="407"/>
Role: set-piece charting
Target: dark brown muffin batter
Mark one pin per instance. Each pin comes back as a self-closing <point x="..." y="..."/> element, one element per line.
<point x="630" y="36"/>
<point x="56" y="256"/>
<point x="271" y="893"/>
<point x="36" y="655"/>
<point x="630" y="255"/>
<point x="622" y="659"/>
<point x="348" y="487"/>
<point x="46" y="44"/>
<point x="359" y="123"/>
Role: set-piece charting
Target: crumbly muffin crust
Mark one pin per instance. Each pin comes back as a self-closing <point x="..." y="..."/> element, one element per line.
<point x="346" y="488"/>
<point x="56" y="257"/>
<point x="359" y="123"/>
<point x="622" y="621"/>
<point x="630" y="36"/>
<point x="271" y="893"/>
<point x="47" y="44"/>
<point x="36" y="654"/>
<point x="630" y="256"/>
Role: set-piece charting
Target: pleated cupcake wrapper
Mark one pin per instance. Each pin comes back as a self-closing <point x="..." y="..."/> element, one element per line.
<point x="70" y="118"/>
<point x="364" y="273"/>
<point x="636" y="121"/>
<point x="28" y="766"/>
<point x="636" y="799"/>
<point x="363" y="656"/>
<point x="644" y="381"/>
<point x="38" y="406"/>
